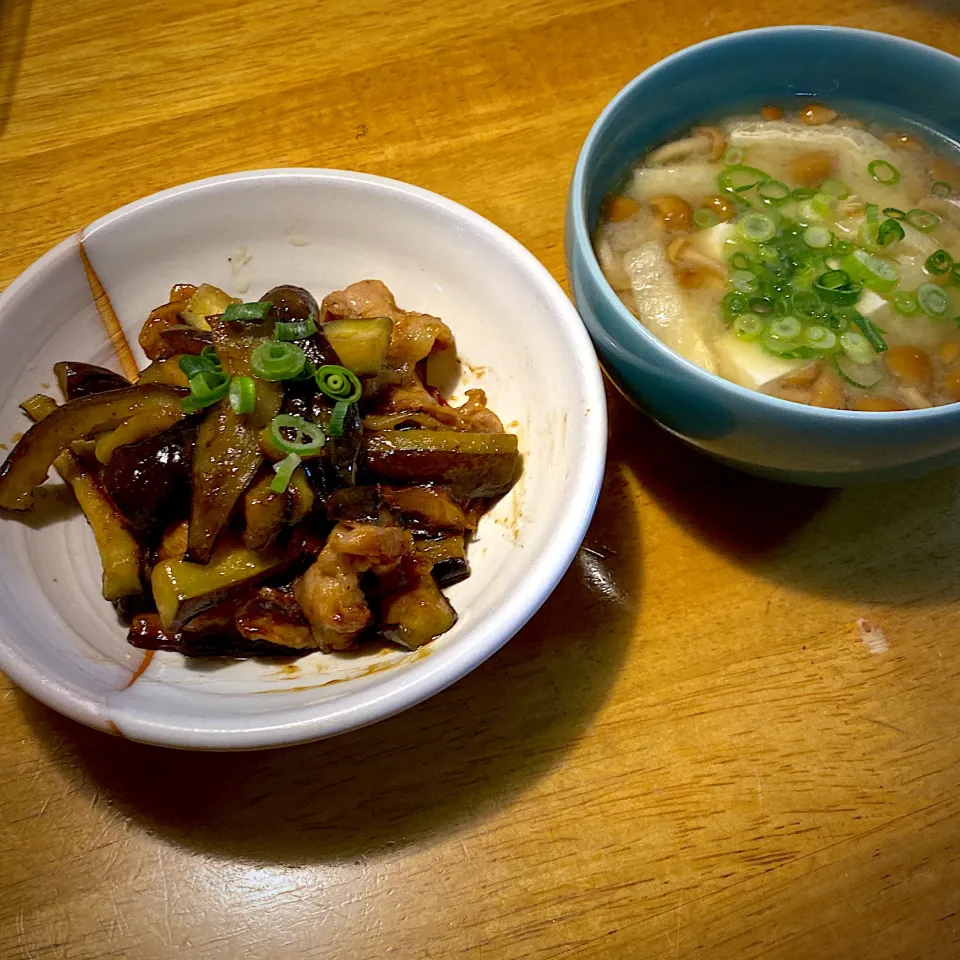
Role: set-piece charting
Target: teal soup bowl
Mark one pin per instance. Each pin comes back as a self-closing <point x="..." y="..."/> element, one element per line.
<point x="897" y="81"/>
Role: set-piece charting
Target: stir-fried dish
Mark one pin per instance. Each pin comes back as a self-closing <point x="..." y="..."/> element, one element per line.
<point x="281" y="478"/>
<point x="808" y="255"/>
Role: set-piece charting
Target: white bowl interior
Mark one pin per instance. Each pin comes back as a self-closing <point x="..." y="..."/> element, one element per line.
<point x="521" y="341"/>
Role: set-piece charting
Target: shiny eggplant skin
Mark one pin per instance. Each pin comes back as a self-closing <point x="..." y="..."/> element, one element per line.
<point x="320" y="477"/>
<point x="304" y="400"/>
<point x="343" y="452"/>
<point x="422" y="507"/>
<point x="447" y="555"/>
<point x="27" y="464"/>
<point x="449" y="572"/>
<point x="182" y="338"/>
<point x="469" y="464"/>
<point x="356" y="505"/>
<point x="86" y="379"/>
<point x="128" y="607"/>
<point x="149" y="481"/>
<point x="147" y="634"/>
<point x="291" y="303"/>
<point x="319" y="350"/>
<point x="339" y="467"/>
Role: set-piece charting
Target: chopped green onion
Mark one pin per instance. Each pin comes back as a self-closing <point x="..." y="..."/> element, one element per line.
<point x="704" y="218"/>
<point x="821" y="204"/>
<point x="284" y="470"/>
<point x="247" y="311"/>
<point x="773" y="192"/>
<point x="839" y="321"/>
<point x="191" y="365"/>
<point x="905" y="304"/>
<point x="208" y="382"/>
<point x="863" y="375"/>
<point x="206" y="388"/>
<point x="932" y="299"/>
<point x="895" y="212"/>
<point x="308" y="372"/>
<point x="871" y="332"/>
<point x="740" y="261"/>
<point x="806" y="275"/>
<point x="833" y="280"/>
<point x="207" y="361"/>
<point x="338" y="383"/>
<point x="243" y="395"/>
<point x="820" y="338"/>
<point x="872" y="271"/>
<point x="209" y="353"/>
<point x="748" y="326"/>
<point x="923" y="220"/>
<point x="338" y="417"/>
<point x="737" y="179"/>
<point x="872" y="212"/>
<point x="817" y="237"/>
<point x="761" y="305"/>
<point x="835" y="286"/>
<point x="889" y="233"/>
<point x="733" y="155"/>
<point x="955" y="273"/>
<point x="856" y="347"/>
<point x="806" y="211"/>
<point x="787" y="349"/>
<point x="308" y="440"/>
<point x="807" y="304"/>
<point x="294" y="330"/>
<point x="941" y="189"/>
<point x="841" y="248"/>
<point x="939" y="263"/>
<point x="883" y="172"/>
<point x="209" y="385"/>
<point x="868" y="235"/>
<point x="757" y="227"/>
<point x="735" y="303"/>
<point x="836" y="188"/>
<point x="277" y="361"/>
<point x="786" y="328"/>
<point x="802" y="193"/>
<point x="768" y="253"/>
<point x="745" y="281"/>
<point x="782" y="305"/>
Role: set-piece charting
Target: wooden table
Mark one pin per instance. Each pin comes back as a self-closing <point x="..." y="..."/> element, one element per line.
<point x="690" y="752"/>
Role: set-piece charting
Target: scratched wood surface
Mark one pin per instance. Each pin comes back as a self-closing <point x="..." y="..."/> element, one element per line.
<point x="689" y="752"/>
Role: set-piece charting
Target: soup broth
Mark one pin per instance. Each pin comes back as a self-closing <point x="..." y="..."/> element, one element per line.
<point x="803" y="253"/>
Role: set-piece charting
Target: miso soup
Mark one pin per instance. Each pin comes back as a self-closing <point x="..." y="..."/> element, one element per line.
<point x="806" y="254"/>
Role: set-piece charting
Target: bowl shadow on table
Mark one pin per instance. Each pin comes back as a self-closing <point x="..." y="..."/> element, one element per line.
<point x="886" y="543"/>
<point x="452" y="760"/>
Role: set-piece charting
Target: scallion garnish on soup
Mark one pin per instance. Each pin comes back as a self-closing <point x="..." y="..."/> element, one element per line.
<point x="806" y="255"/>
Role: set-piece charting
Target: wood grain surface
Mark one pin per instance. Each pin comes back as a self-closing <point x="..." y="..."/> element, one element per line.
<point x="690" y="751"/>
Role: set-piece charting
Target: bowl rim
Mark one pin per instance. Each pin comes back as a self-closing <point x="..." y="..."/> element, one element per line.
<point x="421" y="679"/>
<point x="638" y="337"/>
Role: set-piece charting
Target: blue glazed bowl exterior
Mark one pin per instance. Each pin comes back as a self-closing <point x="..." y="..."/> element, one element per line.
<point x="750" y="430"/>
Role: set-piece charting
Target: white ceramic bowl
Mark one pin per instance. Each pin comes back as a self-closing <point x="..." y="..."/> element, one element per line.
<point x="522" y="342"/>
